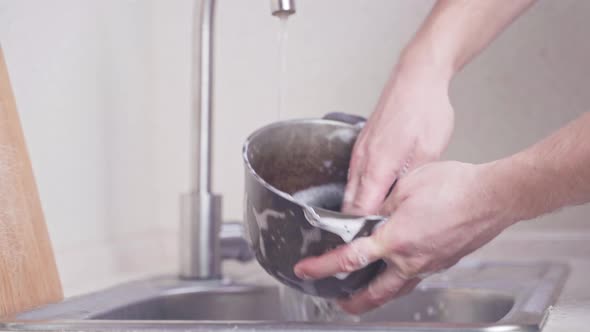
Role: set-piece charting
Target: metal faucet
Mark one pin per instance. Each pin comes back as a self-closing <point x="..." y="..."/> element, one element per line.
<point x="204" y="239"/>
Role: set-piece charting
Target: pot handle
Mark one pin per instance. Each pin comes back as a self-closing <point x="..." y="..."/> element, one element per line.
<point x="345" y="117"/>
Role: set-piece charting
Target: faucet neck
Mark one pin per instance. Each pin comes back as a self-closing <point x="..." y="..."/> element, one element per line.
<point x="200" y="256"/>
<point x="200" y="253"/>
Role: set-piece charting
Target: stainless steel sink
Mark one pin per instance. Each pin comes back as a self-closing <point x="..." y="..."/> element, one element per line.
<point x="469" y="297"/>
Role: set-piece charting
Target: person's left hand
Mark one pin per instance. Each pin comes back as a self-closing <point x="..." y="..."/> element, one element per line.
<point x="439" y="213"/>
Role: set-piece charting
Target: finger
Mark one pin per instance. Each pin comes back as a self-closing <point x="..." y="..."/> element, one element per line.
<point x="372" y="186"/>
<point x="403" y="189"/>
<point x="377" y="176"/>
<point x="348" y="258"/>
<point x="395" y="199"/>
<point x="353" y="179"/>
<point x="384" y="288"/>
<point x="421" y="158"/>
<point x="408" y="287"/>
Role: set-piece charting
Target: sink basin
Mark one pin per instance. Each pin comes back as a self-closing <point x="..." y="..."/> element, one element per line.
<point x="236" y="303"/>
<point x="473" y="296"/>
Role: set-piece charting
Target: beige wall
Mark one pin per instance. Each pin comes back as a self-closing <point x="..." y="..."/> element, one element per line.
<point x="82" y="73"/>
<point x="103" y="89"/>
<point x="529" y="82"/>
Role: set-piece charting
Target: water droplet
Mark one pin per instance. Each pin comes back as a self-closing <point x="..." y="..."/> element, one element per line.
<point x="430" y="310"/>
<point x="417" y="316"/>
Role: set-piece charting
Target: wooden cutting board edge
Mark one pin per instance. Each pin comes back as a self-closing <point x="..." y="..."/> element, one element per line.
<point x="28" y="272"/>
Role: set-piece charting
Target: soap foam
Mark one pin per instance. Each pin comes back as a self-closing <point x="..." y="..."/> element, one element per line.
<point x="329" y="197"/>
<point x="345" y="229"/>
<point x="345" y="135"/>
<point x="326" y="196"/>
<point x="309" y="236"/>
<point x="297" y="306"/>
<point x="262" y="221"/>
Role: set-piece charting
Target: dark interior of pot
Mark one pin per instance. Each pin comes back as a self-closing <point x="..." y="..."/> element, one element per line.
<point x="296" y="155"/>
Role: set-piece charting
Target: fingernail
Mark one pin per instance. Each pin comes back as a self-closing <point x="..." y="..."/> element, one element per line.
<point x="301" y="275"/>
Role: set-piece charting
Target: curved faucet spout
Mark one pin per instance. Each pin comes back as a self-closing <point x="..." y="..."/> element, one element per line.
<point x="282" y="7"/>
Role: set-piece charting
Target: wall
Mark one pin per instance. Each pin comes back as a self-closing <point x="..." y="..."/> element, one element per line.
<point x="532" y="80"/>
<point x="83" y="78"/>
<point x="103" y="88"/>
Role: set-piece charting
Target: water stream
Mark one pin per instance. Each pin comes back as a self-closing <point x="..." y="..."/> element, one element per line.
<point x="297" y="306"/>
<point x="300" y="307"/>
<point x="282" y="69"/>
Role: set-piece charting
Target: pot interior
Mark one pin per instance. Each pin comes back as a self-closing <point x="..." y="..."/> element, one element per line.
<point x="293" y="156"/>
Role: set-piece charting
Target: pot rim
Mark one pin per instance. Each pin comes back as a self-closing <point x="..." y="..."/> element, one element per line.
<point x="271" y="187"/>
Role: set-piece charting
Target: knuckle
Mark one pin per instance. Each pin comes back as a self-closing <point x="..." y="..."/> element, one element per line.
<point x="374" y="151"/>
<point x="418" y="265"/>
<point x="431" y="155"/>
<point x="356" y="205"/>
<point x="388" y="291"/>
<point x="379" y="168"/>
<point x="381" y="172"/>
<point x="409" y="243"/>
<point x="408" y="260"/>
<point x="368" y="179"/>
<point x="355" y="159"/>
<point x="378" y="297"/>
<point x="400" y="191"/>
<point x="380" y="240"/>
<point x="358" y="151"/>
<point x="430" y="152"/>
<point x="373" y="177"/>
<point x="348" y="261"/>
<point x="409" y="269"/>
<point x="402" y="247"/>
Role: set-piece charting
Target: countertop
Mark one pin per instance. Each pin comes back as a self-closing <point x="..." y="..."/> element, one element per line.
<point x="572" y="310"/>
<point x="525" y="242"/>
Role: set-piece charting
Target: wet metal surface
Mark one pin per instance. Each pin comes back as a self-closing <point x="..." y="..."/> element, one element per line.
<point x="469" y="297"/>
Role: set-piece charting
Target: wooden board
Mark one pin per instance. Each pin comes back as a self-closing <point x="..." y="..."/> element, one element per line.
<point x="28" y="273"/>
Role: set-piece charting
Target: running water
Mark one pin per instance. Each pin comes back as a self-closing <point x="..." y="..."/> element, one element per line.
<point x="296" y="305"/>
<point x="300" y="307"/>
<point x="282" y="70"/>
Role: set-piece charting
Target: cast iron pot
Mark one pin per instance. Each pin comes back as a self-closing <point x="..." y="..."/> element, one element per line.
<point x="295" y="176"/>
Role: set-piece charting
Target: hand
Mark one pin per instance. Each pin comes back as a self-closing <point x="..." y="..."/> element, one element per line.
<point x="438" y="214"/>
<point x="411" y="126"/>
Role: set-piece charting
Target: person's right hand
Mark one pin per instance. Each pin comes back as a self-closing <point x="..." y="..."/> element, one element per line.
<point x="411" y="126"/>
<point x="436" y="215"/>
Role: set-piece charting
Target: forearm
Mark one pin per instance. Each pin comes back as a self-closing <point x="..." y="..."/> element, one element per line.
<point x="457" y="30"/>
<point x="552" y="174"/>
